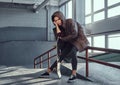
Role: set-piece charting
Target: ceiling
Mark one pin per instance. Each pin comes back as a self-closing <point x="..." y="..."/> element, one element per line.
<point x="55" y="2"/>
<point x="36" y="4"/>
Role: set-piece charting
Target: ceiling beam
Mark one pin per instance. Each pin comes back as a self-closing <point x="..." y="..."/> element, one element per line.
<point x="37" y="7"/>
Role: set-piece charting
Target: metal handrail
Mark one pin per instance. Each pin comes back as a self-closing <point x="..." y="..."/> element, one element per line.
<point x="40" y="58"/>
<point x="85" y="58"/>
<point x="98" y="61"/>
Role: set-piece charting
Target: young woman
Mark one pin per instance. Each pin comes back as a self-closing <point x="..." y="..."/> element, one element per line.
<point x="70" y="39"/>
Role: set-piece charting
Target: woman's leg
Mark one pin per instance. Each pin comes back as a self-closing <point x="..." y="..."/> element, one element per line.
<point x="72" y="55"/>
<point x="63" y="55"/>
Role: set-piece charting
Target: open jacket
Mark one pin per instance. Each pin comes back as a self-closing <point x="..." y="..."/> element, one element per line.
<point x="74" y="34"/>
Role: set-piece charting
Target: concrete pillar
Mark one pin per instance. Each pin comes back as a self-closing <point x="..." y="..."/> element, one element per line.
<point x="79" y="5"/>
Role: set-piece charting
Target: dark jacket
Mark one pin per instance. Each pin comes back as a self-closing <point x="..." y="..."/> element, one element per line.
<point x="73" y="32"/>
<point x="60" y="43"/>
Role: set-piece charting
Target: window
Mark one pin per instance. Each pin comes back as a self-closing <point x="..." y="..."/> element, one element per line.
<point x="88" y="7"/>
<point x="112" y="41"/>
<point x="95" y="10"/>
<point x="89" y="39"/>
<point x="88" y="20"/>
<point x="98" y="4"/>
<point x="93" y="16"/>
<point x="112" y="2"/>
<point x="62" y="9"/>
<point x="114" y="11"/>
<point x="69" y="9"/>
<point x="99" y="16"/>
<point x="99" y="41"/>
<point x="90" y="43"/>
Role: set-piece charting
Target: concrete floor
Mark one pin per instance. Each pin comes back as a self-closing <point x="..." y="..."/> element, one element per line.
<point x="19" y="75"/>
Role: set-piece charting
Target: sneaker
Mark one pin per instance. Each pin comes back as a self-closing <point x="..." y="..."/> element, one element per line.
<point x="72" y="78"/>
<point x="46" y="74"/>
<point x="58" y="70"/>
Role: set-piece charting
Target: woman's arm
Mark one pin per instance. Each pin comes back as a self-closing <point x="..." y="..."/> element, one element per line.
<point x="71" y="29"/>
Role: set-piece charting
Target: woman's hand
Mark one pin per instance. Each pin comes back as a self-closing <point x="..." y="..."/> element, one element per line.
<point x="57" y="27"/>
<point x="55" y="24"/>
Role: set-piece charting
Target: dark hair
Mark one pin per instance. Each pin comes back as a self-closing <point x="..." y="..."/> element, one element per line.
<point x="58" y="14"/>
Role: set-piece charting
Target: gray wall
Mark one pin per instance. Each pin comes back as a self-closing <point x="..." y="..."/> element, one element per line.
<point x="22" y="36"/>
<point x="22" y="52"/>
<point x="22" y="17"/>
<point x="22" y="24"/>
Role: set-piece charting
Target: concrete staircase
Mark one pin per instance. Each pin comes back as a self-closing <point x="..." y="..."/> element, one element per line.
<point x="26" y="75"/>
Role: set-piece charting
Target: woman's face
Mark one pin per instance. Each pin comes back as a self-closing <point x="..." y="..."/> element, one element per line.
<point x="57" y="21"/>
